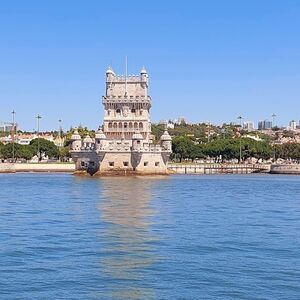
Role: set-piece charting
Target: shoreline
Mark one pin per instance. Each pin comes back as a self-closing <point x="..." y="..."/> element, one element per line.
<point x="204" y="169"/>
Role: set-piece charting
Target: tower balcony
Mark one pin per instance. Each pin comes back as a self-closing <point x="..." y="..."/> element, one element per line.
<point x="126" y="99"/>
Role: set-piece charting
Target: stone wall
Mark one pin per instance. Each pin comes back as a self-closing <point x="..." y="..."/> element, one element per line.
<point x="7" y="168"/>
<point x="42" y="167"/>
<point x="293" y="169"/>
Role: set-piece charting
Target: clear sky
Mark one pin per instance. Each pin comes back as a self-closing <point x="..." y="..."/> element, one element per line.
<point x="207" y="60"/>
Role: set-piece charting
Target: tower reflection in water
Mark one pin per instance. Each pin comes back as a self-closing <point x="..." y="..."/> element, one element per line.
<point x="128" y="252"/>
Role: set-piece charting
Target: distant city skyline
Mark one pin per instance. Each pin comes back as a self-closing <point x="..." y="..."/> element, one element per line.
<point x="207" y="61"/>
<point x="246" y="124"/>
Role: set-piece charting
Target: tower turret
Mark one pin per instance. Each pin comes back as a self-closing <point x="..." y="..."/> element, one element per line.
<point x="88" y="142"/>
<point x="76" y="141"/>
<point x="109" y="74"/>
<point x="166" y="141"/>
<point x="100" y="139"/>
<point x="137" y="140"/>
<point x="144" y="75"/>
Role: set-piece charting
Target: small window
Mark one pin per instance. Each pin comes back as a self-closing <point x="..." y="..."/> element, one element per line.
<point x="92" y="163"/>
<point x="111" y="163"/>
<point x="133" y="110"/>
<point x="118" y="111"/>
<point x="156" y="163"/>
<point x="82" y="164"/>
<point x="141" y="112"/>
<point x="145" y="163"/>
<point x="125" y="163"/>
<point x="138" y="141"/>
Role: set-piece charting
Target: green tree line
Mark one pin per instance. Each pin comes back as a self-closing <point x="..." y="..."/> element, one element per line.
<point x="27" y="152"/>
<point x="229" y="148"/>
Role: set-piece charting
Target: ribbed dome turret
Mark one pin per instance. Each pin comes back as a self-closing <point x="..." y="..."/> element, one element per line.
<point x="100" y="135"/>
<point x="143" y="71"/>
<point x="87" y="139"/>
<point x="110" y="70"/>
<point x="75" y="136"/>
<point x="166" y="136"/>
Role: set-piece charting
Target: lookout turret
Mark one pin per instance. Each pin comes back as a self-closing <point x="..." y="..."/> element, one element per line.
<point x="100" y="139"/>
<point x="76" y="140"/>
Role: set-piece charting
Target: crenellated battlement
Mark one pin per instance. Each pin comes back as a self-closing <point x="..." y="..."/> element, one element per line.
<point x="123" y="78"/>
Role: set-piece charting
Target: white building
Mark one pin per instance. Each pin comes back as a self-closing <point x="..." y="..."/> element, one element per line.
<point x="248" y="126"/>
<point x="292" y="125"/>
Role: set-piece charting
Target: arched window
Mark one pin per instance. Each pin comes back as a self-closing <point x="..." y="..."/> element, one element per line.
<point x="135" y="125"/>
<point x="109" y="125"/>
<point x="130" y="124"/>
<point x="125" y="125"/>
<point x="120" y="125"/>
<point x="140" y="125"/>
<point x="115" y="125"/>
<point x="118" y="111"/>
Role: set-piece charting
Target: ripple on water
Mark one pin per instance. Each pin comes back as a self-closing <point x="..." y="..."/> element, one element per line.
<point x="179" y="237"/>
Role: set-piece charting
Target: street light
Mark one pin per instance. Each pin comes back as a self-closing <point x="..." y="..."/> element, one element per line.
<point x="60" y="132"/>
<point x="38" y="135"/>
<point x="240" y="118"/>
<point x="13" y="135"/>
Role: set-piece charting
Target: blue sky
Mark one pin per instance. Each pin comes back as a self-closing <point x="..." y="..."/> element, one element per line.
<point x="207" y="60"/>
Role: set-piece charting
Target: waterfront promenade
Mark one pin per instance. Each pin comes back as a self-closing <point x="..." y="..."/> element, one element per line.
<point x="184" y="169"/>
<point x="173" y="168"/>
<point x="218" y="168"/>
<point x="37" y="167"/>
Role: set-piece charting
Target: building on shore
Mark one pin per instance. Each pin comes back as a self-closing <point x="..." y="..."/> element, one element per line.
<point x="265" y="125"/>
<point x="8" y="127"/>
<point x="248" y="126"/>
<point x="124" y="144"/>
<point x="292" y="125"/>
<point x="25" y="138"/>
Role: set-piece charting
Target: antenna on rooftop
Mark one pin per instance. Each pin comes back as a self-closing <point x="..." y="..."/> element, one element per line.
<point x="126" y="75"/>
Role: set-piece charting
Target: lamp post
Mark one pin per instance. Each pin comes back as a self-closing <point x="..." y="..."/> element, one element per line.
<point x="13" y="135"/>
<point x="38" y="135"/>
<point x="60" y="132"/>
<point x="240" y="118"/>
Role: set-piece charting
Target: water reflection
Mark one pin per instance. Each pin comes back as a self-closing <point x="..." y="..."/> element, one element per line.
<point x="128" y="243"/>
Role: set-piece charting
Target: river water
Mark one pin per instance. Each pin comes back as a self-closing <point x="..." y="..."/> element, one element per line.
<point x="176" y="237"/>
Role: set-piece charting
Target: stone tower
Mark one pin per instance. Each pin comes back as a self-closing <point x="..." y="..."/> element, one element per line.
<point x="124" y="145"/>
<point x="127" y="106"/>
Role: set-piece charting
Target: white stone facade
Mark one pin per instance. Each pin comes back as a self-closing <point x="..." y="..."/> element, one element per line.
<point x="125" y="145"/>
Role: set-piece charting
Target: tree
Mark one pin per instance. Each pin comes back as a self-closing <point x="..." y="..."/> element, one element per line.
<point x="64" y="153"/>
<point x="46" y="147"/>
<point x="21" y="151"/>
<point x="182" y="146"/>
<point x="157" y="130"/>
<point x="287" y="151"/>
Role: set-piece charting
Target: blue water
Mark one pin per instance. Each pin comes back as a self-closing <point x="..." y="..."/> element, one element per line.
<point x="177" y="237"/>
